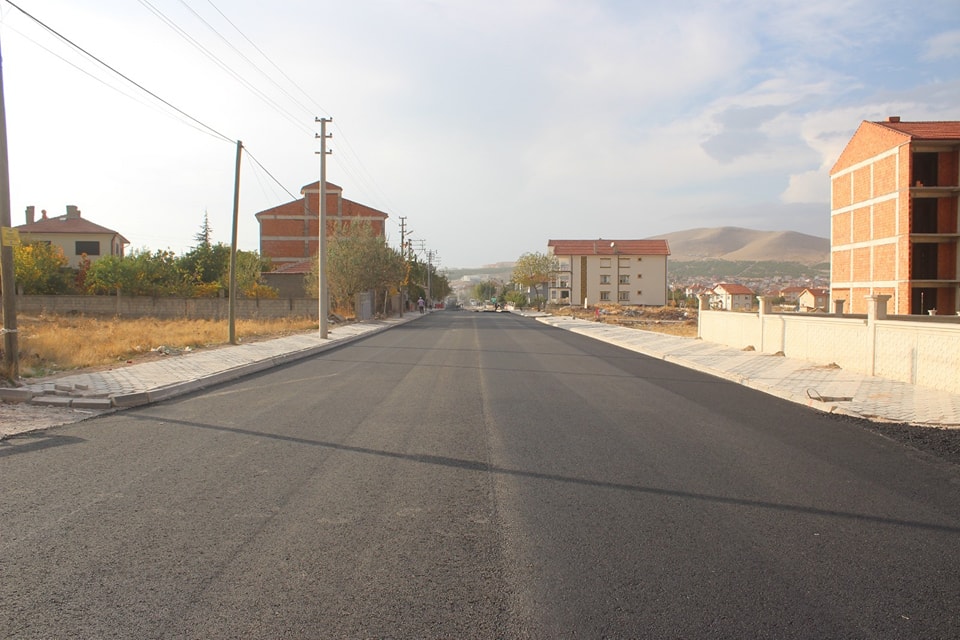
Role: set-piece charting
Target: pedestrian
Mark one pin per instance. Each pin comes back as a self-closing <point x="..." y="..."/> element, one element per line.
<point x="421" y="304"/>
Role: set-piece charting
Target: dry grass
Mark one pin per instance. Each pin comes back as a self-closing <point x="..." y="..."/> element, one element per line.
<point x="50" y="344"/>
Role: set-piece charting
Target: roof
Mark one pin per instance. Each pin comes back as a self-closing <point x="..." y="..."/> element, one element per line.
<point x="872" y="138"/>
<point x="733" y="289"/>
<point x="297" y="268"/>
<point x="608" y="247"/>
<point x="72" y="225"/>
<point x="349" y="207"/>
<point x="944" y="130"/>
<point x="816" y="292"/>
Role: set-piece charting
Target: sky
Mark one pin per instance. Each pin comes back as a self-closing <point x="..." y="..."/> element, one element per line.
<point x="490" y="126"/>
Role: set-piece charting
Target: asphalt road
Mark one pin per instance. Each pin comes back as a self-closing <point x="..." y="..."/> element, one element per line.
<point x="476" y="475"/>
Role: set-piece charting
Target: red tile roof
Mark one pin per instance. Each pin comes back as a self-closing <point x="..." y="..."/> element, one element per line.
<point x="302" y="267"/>
<point x="733" y="289"/>
<point x="946" y="130"/>
<point x="73" y="225"/>
<point x="607" y="247"/>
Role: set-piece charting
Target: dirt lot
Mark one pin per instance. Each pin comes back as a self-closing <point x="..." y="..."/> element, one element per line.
<point x="671" y="320"/>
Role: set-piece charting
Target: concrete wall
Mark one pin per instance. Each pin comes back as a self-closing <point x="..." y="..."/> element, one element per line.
<point x="140" y="307"/>
<point x="922" y="350"/>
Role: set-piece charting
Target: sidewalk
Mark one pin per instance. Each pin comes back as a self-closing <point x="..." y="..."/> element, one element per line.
<point x="823" y="388"/>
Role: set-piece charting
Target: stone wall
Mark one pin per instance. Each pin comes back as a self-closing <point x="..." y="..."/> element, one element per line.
<point x="148" y="307"/>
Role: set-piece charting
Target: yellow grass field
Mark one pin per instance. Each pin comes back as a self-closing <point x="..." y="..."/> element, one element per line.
<point x="52" y="344"/>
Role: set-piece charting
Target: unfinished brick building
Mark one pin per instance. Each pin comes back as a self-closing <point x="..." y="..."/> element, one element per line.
<point x="289" y="232"/>
<point x="895" y="220"/>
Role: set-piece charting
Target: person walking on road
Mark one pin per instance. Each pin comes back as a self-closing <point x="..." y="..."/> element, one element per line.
<point x="420" y="304"/>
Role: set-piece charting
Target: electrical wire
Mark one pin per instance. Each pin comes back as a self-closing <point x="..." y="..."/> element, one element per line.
<point x="125" y="77"/>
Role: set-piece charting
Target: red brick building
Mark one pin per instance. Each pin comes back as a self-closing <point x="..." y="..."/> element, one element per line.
<point x="289" y="232"/>
<point x="895" y="220"/>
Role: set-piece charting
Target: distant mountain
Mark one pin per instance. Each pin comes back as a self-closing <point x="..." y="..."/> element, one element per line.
<point x="746" y="245"/>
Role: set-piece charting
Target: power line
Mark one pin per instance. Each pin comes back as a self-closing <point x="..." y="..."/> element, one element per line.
<point x="220" y="63"/>
<point x="125" y="77"/>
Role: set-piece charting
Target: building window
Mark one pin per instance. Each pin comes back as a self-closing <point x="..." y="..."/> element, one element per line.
<point x="625" y="278"/>
<point x="624" y="263"/>
<point x="564" y="295"/>
<point x="925" y="169"/>
<point x="89" y="247"/>
<point x="605" y="263"/>
<point x="604" y="296"/>
<point x="605" y="278"/>
<point x="624" y="296"/>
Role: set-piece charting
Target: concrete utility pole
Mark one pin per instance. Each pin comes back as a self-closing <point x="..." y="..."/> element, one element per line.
<point x="11" y="349"/>
<point x="233" y="249"/>
<point x="322" y="245"/>
<point x="403" y="252"/>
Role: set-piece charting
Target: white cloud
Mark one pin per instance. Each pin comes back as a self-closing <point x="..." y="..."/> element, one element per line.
<point x="943" y="46"/>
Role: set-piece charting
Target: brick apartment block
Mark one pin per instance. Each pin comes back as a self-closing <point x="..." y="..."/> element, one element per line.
<point x="289" y="232"/>
<point x="895" y="220"/>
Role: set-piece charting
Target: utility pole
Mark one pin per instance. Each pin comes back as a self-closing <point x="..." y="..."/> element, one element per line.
<point x="11" y="349"/>
<point x="403" y="252"/>
<point x="233" y="248"/>
<point x="430" y="277"/>
<point x="322" y="244"/>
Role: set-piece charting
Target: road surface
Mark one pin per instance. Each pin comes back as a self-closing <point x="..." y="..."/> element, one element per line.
<point x="476" y="476"/>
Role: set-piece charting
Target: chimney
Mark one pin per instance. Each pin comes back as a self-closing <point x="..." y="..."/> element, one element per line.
<point x="72" y="211"/>
<point x="30" y="214"/>
<point x="893" y="118"/>
<point x="43" y="212"/>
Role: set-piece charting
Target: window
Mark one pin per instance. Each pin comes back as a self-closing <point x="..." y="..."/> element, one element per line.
<point x="925" y="169"/>
<point x="624" y="296"/>
<point x="604" y="263"/>
<point x="89" y="247"/>
<point x="624" y="263"/>
<point x="605" y="296"/>
<point x="924" y="215"/>
<point x="605" y="278"/>
<point x="625" y="278"/>
<point x="564" y="295"/>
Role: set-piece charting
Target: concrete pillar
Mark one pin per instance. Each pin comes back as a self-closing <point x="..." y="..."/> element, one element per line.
<point x="766" y="305"/>
<point x="838" y="307"/>
<point x="877" y="307"/>
<point x="704" y="302"/>
<point x="876" y="310"/>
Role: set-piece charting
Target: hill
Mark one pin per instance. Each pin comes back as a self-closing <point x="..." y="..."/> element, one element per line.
<point x="736" y="244"/>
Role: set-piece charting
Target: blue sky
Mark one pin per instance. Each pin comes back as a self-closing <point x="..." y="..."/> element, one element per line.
<point x="492" y="126"/>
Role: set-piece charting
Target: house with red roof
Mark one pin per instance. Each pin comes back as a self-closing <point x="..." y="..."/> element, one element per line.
<point x="289" y="232"/>
<point x="895" y="220"/>
<point x="730" y="296"/>
<point x="603" y="271"/>
<point x="814" y="299"/>
<point x="74" y="234"/>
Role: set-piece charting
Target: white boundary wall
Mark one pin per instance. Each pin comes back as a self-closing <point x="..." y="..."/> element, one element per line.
<point x="921" y="350"/>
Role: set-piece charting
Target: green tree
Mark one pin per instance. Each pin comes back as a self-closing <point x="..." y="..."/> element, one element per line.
<point x="250" y="268"/>
<point x="205" y="264"/>
<point x="357" y="260"/>
<point x="486" y="290"/>
<point x="109" y="274"/>
<point x="534" y="270"/>
<point x="40" y="268"/>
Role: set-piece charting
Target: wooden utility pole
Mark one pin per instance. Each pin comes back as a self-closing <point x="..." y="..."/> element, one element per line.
<point x="233" y="248"/>
<point x="322" y="244"/>
<point x="11" y="349"/>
